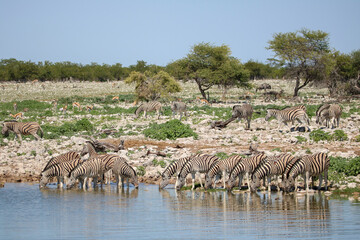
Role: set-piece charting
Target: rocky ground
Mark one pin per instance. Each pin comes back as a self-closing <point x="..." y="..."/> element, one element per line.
<point x="24" y="162"/>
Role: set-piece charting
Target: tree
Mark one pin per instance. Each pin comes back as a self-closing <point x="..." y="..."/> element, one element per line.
<point x="259" y="70"/>
<point x="232" y="73"/>
<point x="301" y="52"/>
<point x="151" y="87"/>
<point x="201" y="65"/>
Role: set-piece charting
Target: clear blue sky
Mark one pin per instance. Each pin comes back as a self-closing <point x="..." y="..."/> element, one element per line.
<point x="160" y="31"/>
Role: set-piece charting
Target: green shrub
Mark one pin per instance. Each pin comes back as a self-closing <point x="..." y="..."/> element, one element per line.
<point x="221" y="155"/>
<point x="301" y="139"/>
<point x="357" y="138"/>
<point x="320" y="135"/>
<point x="339" y="135"/>
<point x="160" y="163"/>
<point x="347" y="166"/>
<point x="67" y="129"/>
<point x="140" y="170"/>
<point x="172" y="130"/>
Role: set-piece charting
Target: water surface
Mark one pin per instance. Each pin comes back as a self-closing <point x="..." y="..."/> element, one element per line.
<point x="147" y="213"/>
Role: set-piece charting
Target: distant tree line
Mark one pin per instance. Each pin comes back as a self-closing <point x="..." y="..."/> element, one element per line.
<point x="304" y="55"/>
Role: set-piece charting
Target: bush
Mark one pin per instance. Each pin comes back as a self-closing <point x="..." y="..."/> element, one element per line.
<point x="320" y="135"/>
<point x="172" y="130"/>
<point x="67" y="129"/>
<point x="357" y="138"/>
<point x="301" y="139"/>
<point x="347" y="166"/>
<point x="140" y="170"/>
<point x="339" y="135"/>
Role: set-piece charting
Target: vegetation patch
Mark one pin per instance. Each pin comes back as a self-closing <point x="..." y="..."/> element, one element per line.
<point x="172" y="130"/>
<point x="320" y="135"/>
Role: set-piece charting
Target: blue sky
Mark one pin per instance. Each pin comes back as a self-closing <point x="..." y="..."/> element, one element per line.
<point x="160" y="31"/>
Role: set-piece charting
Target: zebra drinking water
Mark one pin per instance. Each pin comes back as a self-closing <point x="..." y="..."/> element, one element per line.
<point x="122" y="170"/>
<point x="200" y="164"/>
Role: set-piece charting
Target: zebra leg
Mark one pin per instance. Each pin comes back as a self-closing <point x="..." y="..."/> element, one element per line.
<point x="128" y="184"/>
<point x="326" y="178"/>
<point x="201" y="185"/>
<point x="85" y="182"/>
<point x="240" y="180"/>
<point x="193" y="181"/>
<point x="223" y="177"/>
<point x="36" y="136"/>
<point x="269" y="185"/>
<point x="320" y="181"/>
<point x="307" y="181"/>
<point x="248" y="181"/>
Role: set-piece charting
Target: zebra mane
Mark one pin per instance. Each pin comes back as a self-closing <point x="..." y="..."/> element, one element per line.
<point x="139" y="108"/>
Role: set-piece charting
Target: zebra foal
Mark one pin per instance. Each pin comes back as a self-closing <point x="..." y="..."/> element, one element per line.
<point x="22" y="128"/>
<point x="200" y="164"/>
<point x="149" y="107"/>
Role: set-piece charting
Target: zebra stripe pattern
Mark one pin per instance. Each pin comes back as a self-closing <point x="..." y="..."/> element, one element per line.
<point x="309" y="165"/>
<point x="60" y="170"/>
<point x="89" y="169"/>
<point x="174" y="168"/>
<point x="178" y="107"/>
<point x="149" y="107"/>
<point x="65" y="157"/>
<point x="247" y="167"/>
<point x="22" y="128"/>
<point x="200" y="164"/>
<point x="243" y="111"/>
<point x="331" y="113"/>
<point x="122" y="170"/>
<point x="262" y="170"/>
<point x="222" y="167"/>
<point x="289" y="115"/>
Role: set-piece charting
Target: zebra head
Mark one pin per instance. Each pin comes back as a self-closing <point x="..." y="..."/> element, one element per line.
<point x="139" y="110"/>
<point x="164" y="180"/>
<point x="180" y="183"/>
<point x="254" y="184"/>
<point x="269" y="114"/>
<point x="134" y="181"/>
<point x="288" y="184"/>
<point x="43" y="181"/>
<point x="71" y="182"/>
<point x="208" y="181"/>
<point x="231" y="182"/>
<point x="5" y="130"/>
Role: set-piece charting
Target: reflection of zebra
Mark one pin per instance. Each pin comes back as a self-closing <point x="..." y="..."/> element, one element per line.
<point x="22" y="128"/>
<point x="178" y="107"/>
<point x="222" y="167"/>
<point x="330" y="113"/>
<point x="243" y="111"/>
<point x="122" y="170"/>
<point x="307" y="166"/>
<point x="200" y="164"/>
<point x="88" y="169"/>
<point x="149" y="107"/>
<point x="60" y="170"/>
<point x="174" y="168"/>
<point x="289" y="115"/>
<point x="247" y="167"/>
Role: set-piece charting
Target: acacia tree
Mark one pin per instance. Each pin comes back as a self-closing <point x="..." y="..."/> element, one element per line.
<point x="202" y="65"/>
<point x="301" y="52"/>
<point x="151" y="87"/>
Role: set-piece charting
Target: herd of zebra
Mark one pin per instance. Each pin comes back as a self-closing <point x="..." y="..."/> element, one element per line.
<point x="255" y="168"/>
<point x="69" y="167"/>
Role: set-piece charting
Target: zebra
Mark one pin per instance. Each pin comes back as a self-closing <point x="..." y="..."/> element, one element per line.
<point x="200" y="164"/>
<point x="263" y="86"/>
<point x="320" y="110"/>
<point x="123" y="170"/>
<point x="289" y="115"/>
<point x="243" y="111"/>
<point x="65" y="157"/>
<point x="307" y="166"/>
<point x="149" y="107"/>
<point x="88" y="169"/>
<point x="178" y="107"/>
<point x="223" y="167"/>
<point x="22" y="128"/>
<point x="261" y="171"/>
<point x="108" y="159"/>
<point x="60" y="170"/>
<point x="246" y="166"/>
<point x="331" y="114"/>
<point x="173" y="168"/>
